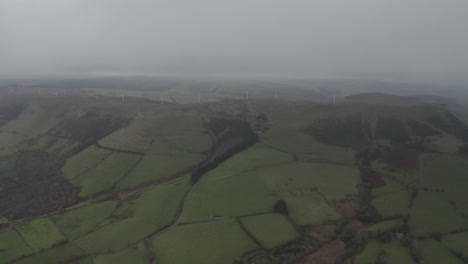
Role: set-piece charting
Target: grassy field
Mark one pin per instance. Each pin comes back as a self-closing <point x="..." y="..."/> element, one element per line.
<point x="116" y="236"/>
<point x="7" y="164"/>
<point x="129" y="255"/>
<point x="155" y="167"/>
<point x="58" y="254"/>
<point x="35" y="120"/>
<point x="448" y="173"/>
<point x="106" y="174"/>
<point x="79" y="222"/>
<point x="40" y="234"/>
<point x="156" y="205"/>
<point x="41" y="143"/>
<point x="239" y="195"/>
<point x="306" y="147"/>
<point x="270" y="230"/>
<point x="432" y="213"/>
<point x="11" y="245"/>
<point x="433" y="252"/>
<point x="306" y="188"/>
<point x="457" y="243"/>
<point x="387" y="225"/>
<point x="306" y="176"/>
<point x="253" y="157"/>
<point x="395" y="252"/>
<point x="208" y="243"/>
<point x="83" y="161"/>
<point x="392" y="204"/>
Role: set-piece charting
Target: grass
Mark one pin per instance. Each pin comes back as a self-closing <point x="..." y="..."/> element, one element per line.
<point x="59" y="254"/>
<point x="12" y="246"/>
<point x="446" y="172"/>
<point x="35" y="120"/>
<point x="155" y="167"/>
<point x="60" y="142"/>
<point x="432" y="213"/>
<point x="7" y="164"/>
<point x="239" y="195"/>
<point x="433" y="252"/>
<point x="83" y="161"/>
<point x="308" y="187"/>
<point x="306" y="147"/>
<point x="40" y="234"/>
<point x="42" y="142"/>
<point x="254" y="157"/>
<point x="79" y="222"/>
<point x="396" y="253"/>
<point x="208" y="243"/>
<point x="116" y="236"/>
<point x="157" y="205"/>
<point x="68" y="148"/>
<point x="392" y="204"/>
<point x="305" y="176"/>
<point x="457" y="243"/>
<point x="135" y="137"/>
<point x="270" y="230"/>
<point x="106" y="174"/>
<point x="129" y="255"/>
<point x="387" y="225"/>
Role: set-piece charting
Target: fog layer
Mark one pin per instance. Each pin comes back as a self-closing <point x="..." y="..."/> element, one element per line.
<point x="423" y="40"/>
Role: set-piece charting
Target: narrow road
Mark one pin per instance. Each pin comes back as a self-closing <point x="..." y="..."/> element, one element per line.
<point x="181" y="211"/>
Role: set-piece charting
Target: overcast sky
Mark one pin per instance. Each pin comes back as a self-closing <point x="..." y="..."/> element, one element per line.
<point x="424" y="40"/>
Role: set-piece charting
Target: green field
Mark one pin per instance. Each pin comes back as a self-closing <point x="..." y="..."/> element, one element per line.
<point x="457" y="243"/>
<point x="79" y="222"/>
<point x="432" y="213"/>
<point x="129" y="255"/>
<point x="207" y="243"/>
<point x="251" y="158"/>
<point x="395" y="253"/>
<point x="448" y="173"/>
<point x="156" y="205"/>
<point x="42" y="142"/>
<point x="106" y="174"/>
<point x="387" y="225"/>
<point x="83" y="161"/>
<point x="302" y="176"/>
<point x="7" y="164"/>
<point x="270" y="230"/>
<point x="433" y="252"/>
<point x="391" y="204"/>
<point x="59" y="254"/>
<point x="12" y="246"/>
<point x="155" y="167"/>
<point x="117" y="236"/>
<point x="231" y="197"/>
<point x="40" y="234"/>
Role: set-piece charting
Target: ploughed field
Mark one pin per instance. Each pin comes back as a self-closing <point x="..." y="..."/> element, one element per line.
<point x="258" y="181"/>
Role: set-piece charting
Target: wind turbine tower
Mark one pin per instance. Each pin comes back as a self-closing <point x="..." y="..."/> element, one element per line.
<point x="334" y="99"/>
<point x="247" y="95"/>
<point x="199" y="98"/>
<point x="276" y="93"/>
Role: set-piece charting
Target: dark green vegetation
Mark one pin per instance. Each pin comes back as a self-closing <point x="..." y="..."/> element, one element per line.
<point x="86" y="180"/>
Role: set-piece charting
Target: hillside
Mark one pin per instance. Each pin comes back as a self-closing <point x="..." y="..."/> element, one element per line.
<point x="375" y="178"/>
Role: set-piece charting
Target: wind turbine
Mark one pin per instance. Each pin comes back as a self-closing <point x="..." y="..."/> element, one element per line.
<point x="276" y="93"/>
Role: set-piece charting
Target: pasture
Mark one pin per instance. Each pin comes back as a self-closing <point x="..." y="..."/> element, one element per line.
<point x="208" y="243"/>
<point x="256" y="156"/>
<point x="106" y="174"/>
<point x="83" y="161"/>
<point x="395" y="253"/>
<point x="116" y="236"/>
<point x="12" y="246"/>
<point x="60" y="254"/>
<point x="230" y="197"/>
<point x="386" y="225"/>
<point x="270" y="230"/>
<point x="7" y="164"/>
<point x="40" y="234"/>
<point x="79" y="222"/>
<point x="432" y="213"/>
<point x="136" y="254"/>
<point x="457" y="243"/>
<point x="433" y="252"/>
<point x="156" y="167"/>
<point x="391" y="204"/>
